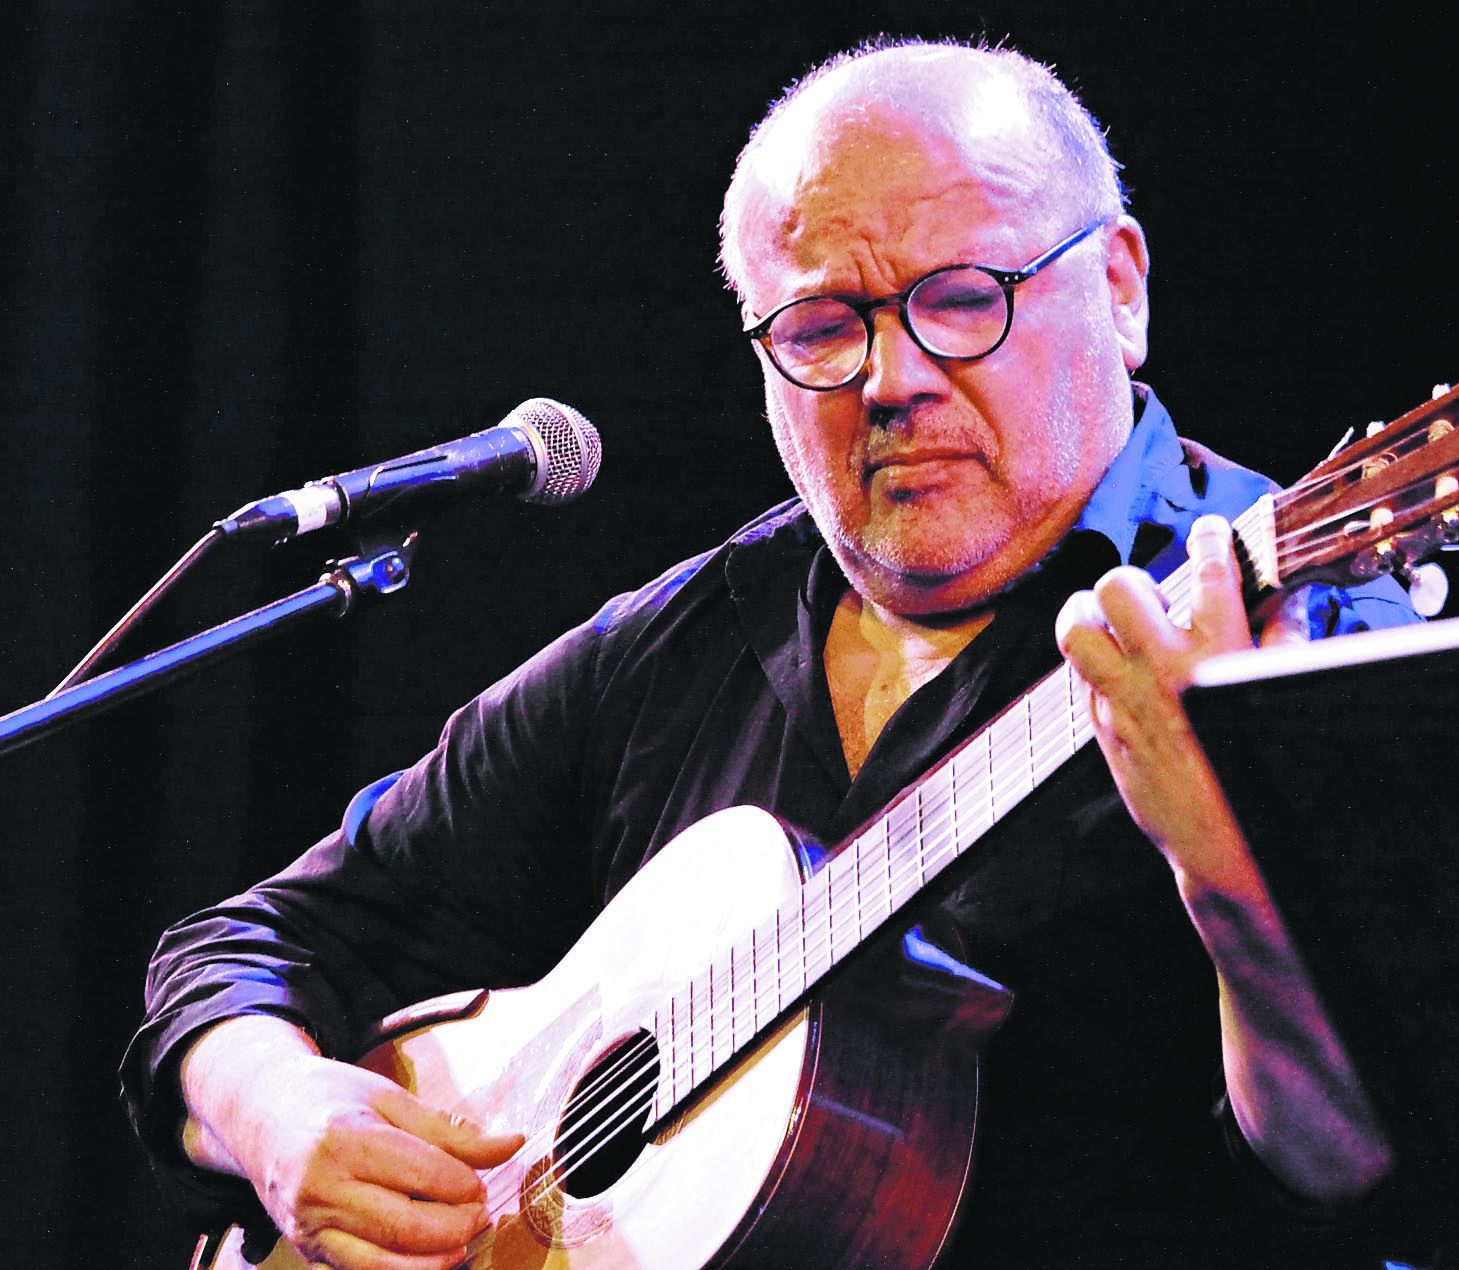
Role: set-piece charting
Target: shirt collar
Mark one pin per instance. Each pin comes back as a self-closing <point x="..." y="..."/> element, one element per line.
<point x="1140" y="473"/>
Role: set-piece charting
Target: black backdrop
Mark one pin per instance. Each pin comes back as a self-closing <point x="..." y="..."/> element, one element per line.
<point x="246" y="244"/>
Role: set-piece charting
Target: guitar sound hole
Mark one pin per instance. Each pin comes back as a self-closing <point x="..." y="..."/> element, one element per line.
<point x="601" y="1132"/>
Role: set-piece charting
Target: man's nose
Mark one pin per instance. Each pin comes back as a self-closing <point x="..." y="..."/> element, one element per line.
<point x="898" y="372"/>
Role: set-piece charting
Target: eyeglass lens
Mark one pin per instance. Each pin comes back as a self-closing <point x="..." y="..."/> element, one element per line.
<point x="823" y="342"/>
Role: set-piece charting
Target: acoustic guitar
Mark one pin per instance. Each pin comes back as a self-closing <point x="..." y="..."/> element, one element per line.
<point x="681" y="1078"/>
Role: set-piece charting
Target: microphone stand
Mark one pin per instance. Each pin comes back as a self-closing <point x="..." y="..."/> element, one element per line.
<point x="335" y="594"/>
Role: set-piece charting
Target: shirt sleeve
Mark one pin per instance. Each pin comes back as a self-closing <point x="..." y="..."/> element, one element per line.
<point x="1333" y="610"/>
<point x="471" y="869"/>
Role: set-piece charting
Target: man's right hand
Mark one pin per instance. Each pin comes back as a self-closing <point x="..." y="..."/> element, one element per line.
<point x="356" y="1172"/>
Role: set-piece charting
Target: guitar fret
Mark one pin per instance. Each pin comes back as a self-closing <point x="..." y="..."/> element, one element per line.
<point x="827" y="948"/>
<point x="802" y="975"/>
<point x="995" y="774"/>
<point x="1051" y="736"/>
<point x="691" y="1076"/>
<point x="711" y="1034"/>
<point x="873" y="894"/>
<point x="1009" y="769"/>
<point x="816" y="917"/>
<point x="757" y="1020"/>
<point x="671" y="1044"/>
<point x="736" y="1019"/>
<point x="919" y="838"/>
<point x="768" y="994"/>
<point x="744" y="979"/>
<point x="848" y="909"/>
<point x="693" y="1038"/>
<point x="970" y="768"/>
<point x="885" y="847"/>
<point x="705" y="1023"/>
<point x="665" y="1043"/>
<point x="954" y="828"/>
<point x="779" y="964"/>
<point x="904" y="869"/>
<point x="724" y="1025"/>
<point x="939" y="843"/>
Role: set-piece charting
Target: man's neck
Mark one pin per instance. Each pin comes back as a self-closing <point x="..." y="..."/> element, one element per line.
<point x="875" y="659"/>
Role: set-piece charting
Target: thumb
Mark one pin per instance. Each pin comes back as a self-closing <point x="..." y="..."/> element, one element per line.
<point x="455" y="1133"/>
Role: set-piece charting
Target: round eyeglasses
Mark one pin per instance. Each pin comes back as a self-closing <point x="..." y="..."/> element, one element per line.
<point x="959" y="312"/>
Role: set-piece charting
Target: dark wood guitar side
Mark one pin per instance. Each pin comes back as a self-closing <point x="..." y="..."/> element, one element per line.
<point x="883" y="1148"/>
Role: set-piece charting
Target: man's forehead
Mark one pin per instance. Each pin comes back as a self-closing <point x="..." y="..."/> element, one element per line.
<point x="977" y="135"/>
<point x="975" y="119"/>
<point x="892" y="176"/>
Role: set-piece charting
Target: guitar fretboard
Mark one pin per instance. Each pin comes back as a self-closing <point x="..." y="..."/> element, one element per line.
<point x="709" y="1020"/>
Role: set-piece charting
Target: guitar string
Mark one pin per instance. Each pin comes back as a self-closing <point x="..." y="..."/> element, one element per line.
<point x="1050" y="726"/>
<point x="1318" y="547"/>
<point x="1287" y="499"/>
<point x="594" y="1134"/>
<point x="1399" y="446"/>
<point x="597" y="1133"/>
<point x="599" y="1086"/>
<point x="818" y="955"/>
<point x="1350" y="512"/>
<point x="564" y="1162"/>
<point x="1315" y="546"/>
<point x="1045" y="726"/>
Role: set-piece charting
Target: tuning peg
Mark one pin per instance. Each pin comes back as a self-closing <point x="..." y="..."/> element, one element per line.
<point x="1445" y="488"/>
<point x="1428" y="588"/>
<point x="1375" y="428"/>
<point x="1441" y="390"/>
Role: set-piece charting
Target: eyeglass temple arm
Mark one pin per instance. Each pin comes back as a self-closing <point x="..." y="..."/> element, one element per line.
<point x="1016" y="276"/>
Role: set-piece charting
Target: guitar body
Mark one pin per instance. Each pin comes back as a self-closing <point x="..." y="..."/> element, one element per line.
<point x="840" y="1138"/>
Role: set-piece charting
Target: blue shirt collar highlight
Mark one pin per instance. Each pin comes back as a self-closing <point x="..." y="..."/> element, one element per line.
<point x="1141" y="472"/>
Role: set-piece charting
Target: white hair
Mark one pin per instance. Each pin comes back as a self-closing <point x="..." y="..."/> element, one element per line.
<point x="930" y="78"/>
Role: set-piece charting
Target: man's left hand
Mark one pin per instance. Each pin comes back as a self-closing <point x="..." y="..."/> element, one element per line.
<point x="1293" y="1088"/>
<point x="1137" y="662"/>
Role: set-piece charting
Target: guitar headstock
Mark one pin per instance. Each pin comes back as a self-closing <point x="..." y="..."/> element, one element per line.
<point x="1379" y="505"/>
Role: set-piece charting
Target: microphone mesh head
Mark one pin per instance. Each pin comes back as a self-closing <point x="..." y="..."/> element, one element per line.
<point x="571" y="445"/>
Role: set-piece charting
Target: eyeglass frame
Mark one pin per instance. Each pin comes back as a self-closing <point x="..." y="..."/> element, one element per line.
<point x="1007" y="280"/>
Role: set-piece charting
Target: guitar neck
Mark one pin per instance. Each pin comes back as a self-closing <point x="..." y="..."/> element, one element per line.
<point x="710" y="1020"/>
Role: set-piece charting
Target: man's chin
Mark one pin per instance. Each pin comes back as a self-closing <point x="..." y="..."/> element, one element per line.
<point x="929" y="582"/>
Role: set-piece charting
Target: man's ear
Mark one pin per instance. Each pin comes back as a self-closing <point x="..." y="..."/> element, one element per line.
<point x="1127" y="270"/>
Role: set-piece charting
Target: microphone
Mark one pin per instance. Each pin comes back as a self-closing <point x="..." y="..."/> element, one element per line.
<point x="543" y="452"/>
